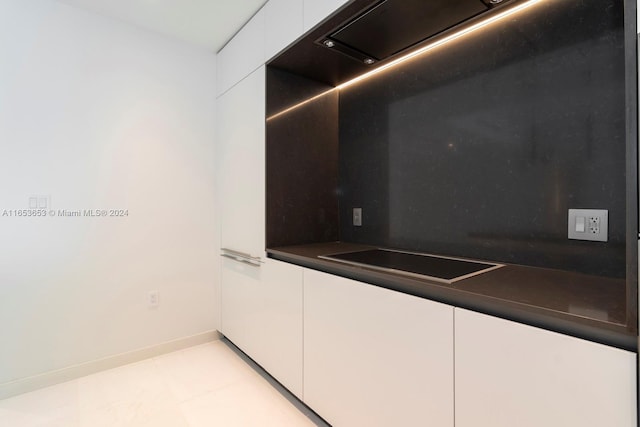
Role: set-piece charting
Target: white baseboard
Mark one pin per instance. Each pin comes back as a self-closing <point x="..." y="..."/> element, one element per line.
<point x="25" y="385"/>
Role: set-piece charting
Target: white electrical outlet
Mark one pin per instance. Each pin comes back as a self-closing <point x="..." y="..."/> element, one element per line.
<point x="154" y="298"/>
<point x="357" y="217"/>
<point x="588" y="224"/>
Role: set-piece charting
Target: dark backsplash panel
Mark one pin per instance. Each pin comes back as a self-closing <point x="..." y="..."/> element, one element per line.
<point x="479" y="148"/>
<point x="302" y="161"/>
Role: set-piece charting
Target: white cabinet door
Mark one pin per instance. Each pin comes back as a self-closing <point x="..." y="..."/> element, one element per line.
<point x="283" y="24"/>
<point x="375" y="357"/>
<point x="509" y="374"/>
<point x="241" y="168"/>
<point x="243" y="54"/>
<point x="317" y="10"/>
<point x="239" y="304"/>
<point x="262" y="315"/>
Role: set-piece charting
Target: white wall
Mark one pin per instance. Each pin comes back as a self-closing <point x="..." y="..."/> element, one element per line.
<point x="97" y="114"/>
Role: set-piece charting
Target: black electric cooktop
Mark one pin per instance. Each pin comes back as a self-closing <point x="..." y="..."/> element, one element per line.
<point x="434" y="267"/>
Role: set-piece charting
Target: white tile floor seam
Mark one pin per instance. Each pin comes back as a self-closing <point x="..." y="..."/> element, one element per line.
<point x="209" y="385"/>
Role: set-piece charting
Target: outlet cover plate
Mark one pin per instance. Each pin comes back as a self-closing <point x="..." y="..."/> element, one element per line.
<point x="154" y="299"/>
<point x="595" y="224"/>
<point x="357" y="217"/>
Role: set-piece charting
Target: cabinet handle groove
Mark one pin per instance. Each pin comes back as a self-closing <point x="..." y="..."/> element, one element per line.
<point x="241" y="257"/>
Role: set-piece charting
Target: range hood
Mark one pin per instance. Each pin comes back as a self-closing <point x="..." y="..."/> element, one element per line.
<point x="389" y="27"/>
<point x="365" y="34"/>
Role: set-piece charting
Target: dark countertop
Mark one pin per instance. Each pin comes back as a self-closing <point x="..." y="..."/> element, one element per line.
<point x="576" y="304"/>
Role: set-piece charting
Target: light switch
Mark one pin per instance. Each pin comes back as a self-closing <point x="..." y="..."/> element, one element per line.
<point x="357" y="217"/>
<point x="588" y="224"/>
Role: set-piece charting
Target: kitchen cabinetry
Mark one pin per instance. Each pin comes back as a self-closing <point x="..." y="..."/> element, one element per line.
<point x="261" y="306"/>
<point x="512" y="374"/>
<point x="375" y="357"/>
<point x="241" y="169"/>
<point x="283" y="24"/>
<point x="316" y="11"/>
<point x="243" y="54"/>
<point x="262" y="315"/>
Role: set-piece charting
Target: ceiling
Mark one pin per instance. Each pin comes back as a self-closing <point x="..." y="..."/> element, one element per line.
<point x="206" y="23"/>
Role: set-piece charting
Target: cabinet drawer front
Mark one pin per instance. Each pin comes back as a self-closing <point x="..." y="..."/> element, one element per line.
<point x="375" y="357"/>
<point x="512" y="374"/>
<point x="262" y="315"/>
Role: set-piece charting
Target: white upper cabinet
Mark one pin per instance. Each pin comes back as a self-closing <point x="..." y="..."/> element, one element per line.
<point x="241" y="168"/>
<point x="283" y="25"/>
<point x="243" y="54"/>
<point x="509" y="374"/>
<point x="316" y="10"/>
<point x="376" y="357"/>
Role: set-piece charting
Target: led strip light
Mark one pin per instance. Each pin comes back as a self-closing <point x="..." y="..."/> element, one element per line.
<point x="454" y="36"/>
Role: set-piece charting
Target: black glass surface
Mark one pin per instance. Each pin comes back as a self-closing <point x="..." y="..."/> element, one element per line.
<point x="426" y="265"/>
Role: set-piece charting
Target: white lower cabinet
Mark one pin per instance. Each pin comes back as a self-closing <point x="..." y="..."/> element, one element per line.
<point x="508" y="374"/>
<point x="375" y="357"/>
<point x="262" y="314"/>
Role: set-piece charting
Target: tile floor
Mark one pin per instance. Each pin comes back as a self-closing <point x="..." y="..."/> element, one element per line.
<point x="208" y="385"/>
